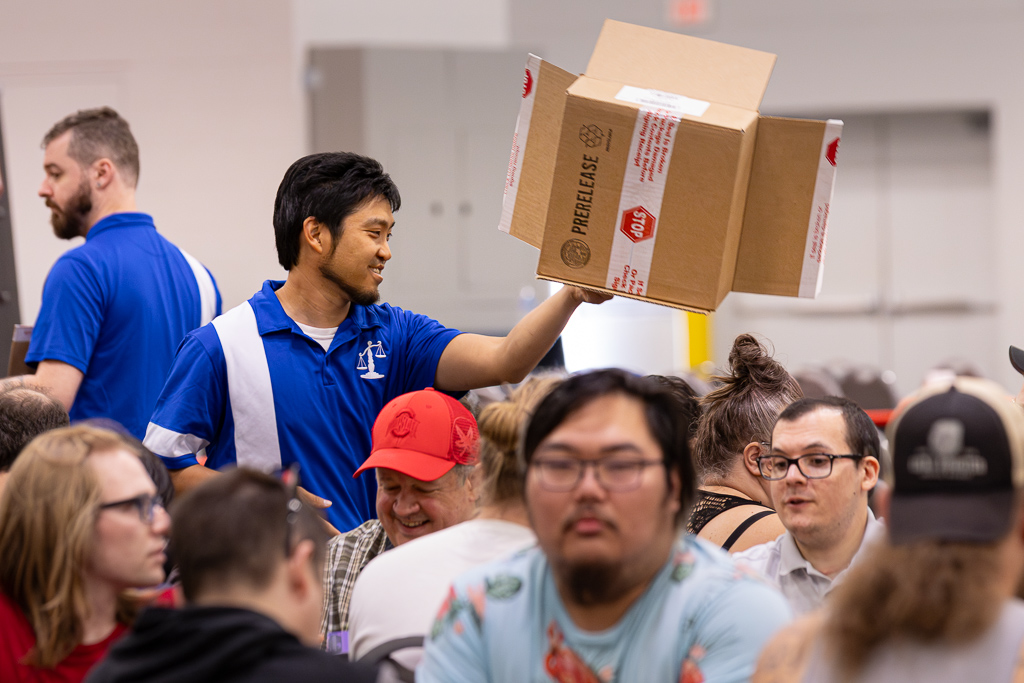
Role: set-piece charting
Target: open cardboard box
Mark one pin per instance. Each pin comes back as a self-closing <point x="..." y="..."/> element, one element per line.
<point x="653" y="175"/>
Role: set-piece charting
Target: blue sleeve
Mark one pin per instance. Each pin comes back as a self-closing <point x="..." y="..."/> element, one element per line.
<point x="217" y="290"/>
<point x="423" y="341"/>
<point x="454" y="651"/>
<point x="190" y="412"/>
<point x="732" y="630"/>
<point x="71" y="315"/>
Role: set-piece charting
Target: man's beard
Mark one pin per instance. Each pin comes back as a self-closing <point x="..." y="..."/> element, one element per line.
<point x="69" y="221"/>
<point x="595" y="584"/>
<point x="360" y="297"/>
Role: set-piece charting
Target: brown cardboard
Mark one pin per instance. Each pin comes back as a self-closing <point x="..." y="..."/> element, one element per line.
<point x="664" y="183"/>
<point x="19" y="349"/>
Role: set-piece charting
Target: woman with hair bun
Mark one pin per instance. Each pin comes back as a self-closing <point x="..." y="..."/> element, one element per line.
<point x="734" y="508"/>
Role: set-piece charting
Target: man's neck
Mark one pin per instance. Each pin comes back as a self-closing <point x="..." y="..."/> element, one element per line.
<point x="832" y="558"/>
<point x="108" y="205"/>
<point x="307" y="299"/>
<point x="100" y="617"/>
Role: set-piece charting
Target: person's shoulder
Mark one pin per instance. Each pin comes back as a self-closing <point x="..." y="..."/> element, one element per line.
<point x="758" y="556"/>
<point x="784" y="659"/>
<point x="312" y="665"/>
<point x="506" y="576"/>
<point x="714" y="573"/>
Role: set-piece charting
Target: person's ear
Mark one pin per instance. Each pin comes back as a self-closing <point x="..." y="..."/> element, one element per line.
<point x="315" y="234"/>
<point x="870" y="477"/>
<point x="300" y="568"/>
<point x="675" y="485"/>
<point x="751" y="452"/>
<point x="103" y="172"/>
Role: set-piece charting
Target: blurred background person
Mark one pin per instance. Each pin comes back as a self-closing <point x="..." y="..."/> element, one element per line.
<point x="80" y="524"/>
<point x="734" y="508"/>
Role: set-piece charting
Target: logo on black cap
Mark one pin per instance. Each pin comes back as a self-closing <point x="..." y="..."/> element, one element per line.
<point x="945" y="456"/>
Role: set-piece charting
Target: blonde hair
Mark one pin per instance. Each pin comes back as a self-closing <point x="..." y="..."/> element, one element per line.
<point x="47" y="519"/>
<point x="501" y="425"/>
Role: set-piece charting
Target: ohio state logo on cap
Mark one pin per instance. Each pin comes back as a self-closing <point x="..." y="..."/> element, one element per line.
<point x="404" y="424"/>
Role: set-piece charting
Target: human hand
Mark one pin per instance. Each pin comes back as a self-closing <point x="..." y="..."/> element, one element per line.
<point x="318" y="503"/>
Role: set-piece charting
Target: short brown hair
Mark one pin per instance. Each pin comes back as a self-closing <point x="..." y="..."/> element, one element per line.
<point x="97" y="134"/>
<point x="232" y="529"/>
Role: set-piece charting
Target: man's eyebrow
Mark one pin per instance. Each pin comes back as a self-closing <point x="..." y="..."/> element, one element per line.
<point x="625" y="447"/>
<point x="51" y="166"/>
<point x="817" y="446"/>
<point x="378" y="222"/>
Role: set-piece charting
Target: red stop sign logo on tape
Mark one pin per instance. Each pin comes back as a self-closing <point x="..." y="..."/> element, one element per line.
<point x="637" y="224"/>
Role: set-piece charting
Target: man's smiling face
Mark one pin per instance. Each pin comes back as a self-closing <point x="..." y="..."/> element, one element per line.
<point x="409" y="508"/>
<point x="355" y="262"/>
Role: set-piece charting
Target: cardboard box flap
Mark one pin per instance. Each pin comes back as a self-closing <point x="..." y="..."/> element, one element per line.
<point x="676" y="63"/>
<point x="782" y="245"/>
<point x="531" y="166"/>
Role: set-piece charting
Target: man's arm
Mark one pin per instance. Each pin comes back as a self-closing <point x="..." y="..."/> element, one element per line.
<point x="471" y="361"/>
<point x="54" y="377"/>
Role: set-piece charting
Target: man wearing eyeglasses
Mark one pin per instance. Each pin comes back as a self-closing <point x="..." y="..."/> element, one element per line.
<point x="822" y="465"/>
<point x="612" y="592"/>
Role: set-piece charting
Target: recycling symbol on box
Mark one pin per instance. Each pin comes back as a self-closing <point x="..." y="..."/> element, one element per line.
<point x="591" y="135"/>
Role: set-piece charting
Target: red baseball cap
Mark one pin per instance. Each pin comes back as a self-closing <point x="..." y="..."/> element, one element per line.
<point x="423" y="434"/>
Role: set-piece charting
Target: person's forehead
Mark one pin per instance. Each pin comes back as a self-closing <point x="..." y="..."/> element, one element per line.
<point x="121" y="474"/>
<point x="372" y="210"/>
<point x="608" y="421"/>
<point x="57" y="148"/>
<point x="822" y="426"/>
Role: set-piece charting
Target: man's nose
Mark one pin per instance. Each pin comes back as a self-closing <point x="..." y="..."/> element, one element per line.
<point x="589" y="485"/>
<point x="384" y="252"/>
<point x="44" y="189"/>
<point x="406" y="503"/>
<point x="793" y="472"/>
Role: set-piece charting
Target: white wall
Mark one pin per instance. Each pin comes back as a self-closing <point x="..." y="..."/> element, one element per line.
<point x="209" y="89"/>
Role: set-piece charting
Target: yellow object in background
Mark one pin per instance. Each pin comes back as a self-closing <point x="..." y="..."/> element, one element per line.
<point x="700" y="330"/>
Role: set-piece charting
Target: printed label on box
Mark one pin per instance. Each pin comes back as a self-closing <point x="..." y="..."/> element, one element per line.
<point x="659" y="99"/>
<point x="643" y="188"/>
<point x="515" y="162"/>
<point x="817" y="229"/>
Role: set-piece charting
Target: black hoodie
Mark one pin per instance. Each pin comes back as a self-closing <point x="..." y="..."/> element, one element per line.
<point x="223" y="644"/>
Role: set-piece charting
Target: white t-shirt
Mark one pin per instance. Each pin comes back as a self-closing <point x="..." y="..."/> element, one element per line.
<point x="399" y="592"/>
<point x="321" y="335"/>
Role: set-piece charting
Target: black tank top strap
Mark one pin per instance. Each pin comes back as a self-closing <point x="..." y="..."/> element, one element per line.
<point x="709" y="505"/>
<point x="744" y="525"/>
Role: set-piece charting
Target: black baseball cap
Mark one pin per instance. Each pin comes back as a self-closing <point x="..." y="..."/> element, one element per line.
<point x="958" y="462"/>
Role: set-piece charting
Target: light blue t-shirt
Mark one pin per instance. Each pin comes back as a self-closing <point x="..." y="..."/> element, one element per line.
<point x="116" y="308"/>
<point x="253" y="389"/>
<point x="701" y="619"/>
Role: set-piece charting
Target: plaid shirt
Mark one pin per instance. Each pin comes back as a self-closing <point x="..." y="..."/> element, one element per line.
<point x="347" y="554"/>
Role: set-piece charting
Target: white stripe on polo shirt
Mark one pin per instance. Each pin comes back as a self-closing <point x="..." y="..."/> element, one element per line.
<point x="172" y="444"/>
<point x="249" y="389"/>
<point x="207" y="290"/>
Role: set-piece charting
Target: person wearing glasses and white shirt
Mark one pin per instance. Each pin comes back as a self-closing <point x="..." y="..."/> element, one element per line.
<point x="82" y="524"/>
<point x="613" y="591"/>
<point x="822" y="464"/>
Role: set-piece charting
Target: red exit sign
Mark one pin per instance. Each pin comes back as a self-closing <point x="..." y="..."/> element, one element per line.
<point x="689" y="12"/>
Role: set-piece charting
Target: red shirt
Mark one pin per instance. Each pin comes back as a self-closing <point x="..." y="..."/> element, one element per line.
<point x="17" y="638"/>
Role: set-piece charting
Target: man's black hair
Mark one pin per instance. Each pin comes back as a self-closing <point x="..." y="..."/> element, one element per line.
<point x="26" y="413"/>
<point x="329" y="186"/>
<point x="667" y="424"/>
<point x="861" y="433"/>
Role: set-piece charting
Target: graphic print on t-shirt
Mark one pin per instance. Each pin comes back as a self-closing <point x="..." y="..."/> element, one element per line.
<point x="374" y="349"/>
<point x="564" y="665"/>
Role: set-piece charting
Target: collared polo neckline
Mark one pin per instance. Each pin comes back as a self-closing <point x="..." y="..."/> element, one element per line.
<point x="271" y="316"/>
<point x="132" y="219"/>
<point x="791" y="559"/>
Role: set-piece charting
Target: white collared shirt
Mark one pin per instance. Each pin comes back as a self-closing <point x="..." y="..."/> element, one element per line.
<point x="781" y="562"/>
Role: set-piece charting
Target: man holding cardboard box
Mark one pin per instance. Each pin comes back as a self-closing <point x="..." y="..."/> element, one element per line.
<point x="115" y="308"/>
<point x="300" y="372"/>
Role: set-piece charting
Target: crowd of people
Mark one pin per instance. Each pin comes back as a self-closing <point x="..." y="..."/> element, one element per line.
<point x="343" y="511"/>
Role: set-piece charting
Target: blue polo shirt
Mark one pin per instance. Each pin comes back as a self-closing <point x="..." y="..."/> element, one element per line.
<point x="116" y="308"/>
<point x="254" y="390"/>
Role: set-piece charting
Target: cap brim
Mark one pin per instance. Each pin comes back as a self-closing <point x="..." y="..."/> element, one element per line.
<point x="981" y="517"/>
<point x="413" y="463"/>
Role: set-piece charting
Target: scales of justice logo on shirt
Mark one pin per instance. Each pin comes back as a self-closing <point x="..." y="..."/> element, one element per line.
<point x="374" y="349"/>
